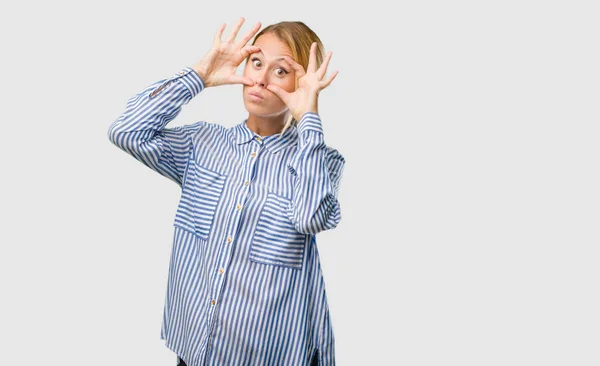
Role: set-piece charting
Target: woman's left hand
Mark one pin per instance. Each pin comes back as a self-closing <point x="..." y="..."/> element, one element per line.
<point x="310" y="83"/>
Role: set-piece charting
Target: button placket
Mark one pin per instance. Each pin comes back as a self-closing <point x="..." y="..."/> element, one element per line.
<point x="237" y="210"/>
<point x="239" y="206"/>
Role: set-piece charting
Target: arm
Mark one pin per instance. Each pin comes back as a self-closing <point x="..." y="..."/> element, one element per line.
<point x="318" y="171"/>
<point x="140" y="130"/>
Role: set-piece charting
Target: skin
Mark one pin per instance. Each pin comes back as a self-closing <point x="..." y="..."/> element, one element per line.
<point x="266" y="68"/>
<point x="265" y="74"/>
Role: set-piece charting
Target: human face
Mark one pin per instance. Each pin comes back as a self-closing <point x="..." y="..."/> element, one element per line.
<point x="268" y="67"/>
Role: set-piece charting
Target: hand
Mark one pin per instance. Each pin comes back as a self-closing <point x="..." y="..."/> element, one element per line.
<point x="310" y="83"/>
<point x="219" y="65"/>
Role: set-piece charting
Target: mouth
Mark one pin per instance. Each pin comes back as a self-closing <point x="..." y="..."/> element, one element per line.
<point x="256" y="95"/>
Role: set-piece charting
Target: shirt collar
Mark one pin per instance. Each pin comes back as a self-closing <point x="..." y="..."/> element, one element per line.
<point x="273" y="143"/>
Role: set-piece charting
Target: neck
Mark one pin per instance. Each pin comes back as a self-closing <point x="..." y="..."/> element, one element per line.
<point x="265" y="125"/>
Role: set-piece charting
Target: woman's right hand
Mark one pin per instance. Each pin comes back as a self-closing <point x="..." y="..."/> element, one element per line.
<point x="219" y="65"/>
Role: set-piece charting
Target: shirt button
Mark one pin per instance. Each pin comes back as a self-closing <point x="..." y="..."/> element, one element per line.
<point x="221" y="270"/>
<point x="181" y="72"/>
<point x="239" y="207"/>
<point x="258" y="138"/>
<point x="253" y="154"/>
<point x="246" y="183"/>
<point x="214" y="301"/>
<point x="229" y="239"/>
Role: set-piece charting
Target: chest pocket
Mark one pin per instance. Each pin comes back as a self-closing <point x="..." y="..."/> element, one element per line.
<point x="276" y="240"/>
<point x="202" y="191"/>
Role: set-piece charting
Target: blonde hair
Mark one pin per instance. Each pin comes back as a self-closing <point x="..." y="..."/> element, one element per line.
<point x="298" y="37"/>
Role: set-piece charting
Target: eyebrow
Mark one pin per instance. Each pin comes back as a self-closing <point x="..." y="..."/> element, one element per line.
<point x="277" y="59"/>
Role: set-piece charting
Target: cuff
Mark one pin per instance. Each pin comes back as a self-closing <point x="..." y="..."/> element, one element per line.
<point x="310" y="121"/>
<point x="191" y="79"/>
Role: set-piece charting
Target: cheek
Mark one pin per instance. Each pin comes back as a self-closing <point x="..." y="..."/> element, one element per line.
<point x="288" y="83"/>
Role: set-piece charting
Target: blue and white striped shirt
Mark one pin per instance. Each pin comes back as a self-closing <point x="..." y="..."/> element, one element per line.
<point x="245" y="285"/>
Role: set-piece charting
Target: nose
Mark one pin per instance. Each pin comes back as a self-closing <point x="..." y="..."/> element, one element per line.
<point x="260" y="79"/>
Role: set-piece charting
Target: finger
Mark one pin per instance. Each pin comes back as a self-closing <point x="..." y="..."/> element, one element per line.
<point x="321" y="71"/>
<point x="282" y="94"/>
<point x="329" y="80"/>
<point x="235" y="30"/>
<point x="217" y="39"/>
<point x="248" y="50"/>
<point x="236" y="79"/>
<point x="298" y="69"/>
<point x="312" y="62"/>
<point x="249" y="35"/>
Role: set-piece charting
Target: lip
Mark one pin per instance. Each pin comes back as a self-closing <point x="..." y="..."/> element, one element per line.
<point x="256" y="95"/>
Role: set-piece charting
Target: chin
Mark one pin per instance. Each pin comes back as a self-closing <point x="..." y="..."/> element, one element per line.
<point x="255" y="109"/>
<point x="262" y="107"/>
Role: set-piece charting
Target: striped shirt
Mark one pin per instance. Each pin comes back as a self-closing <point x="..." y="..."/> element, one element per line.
<point x="245" y="285"/>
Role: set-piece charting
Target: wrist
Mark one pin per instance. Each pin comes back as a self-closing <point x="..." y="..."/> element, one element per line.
<point x="300" y="115"/>
<point x="201" y="70"/>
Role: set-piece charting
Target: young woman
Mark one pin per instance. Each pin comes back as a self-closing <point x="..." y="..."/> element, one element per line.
<point x="245" y="284"/>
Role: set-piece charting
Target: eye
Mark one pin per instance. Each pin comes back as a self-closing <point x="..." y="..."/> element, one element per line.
<point x="285" y="72"/>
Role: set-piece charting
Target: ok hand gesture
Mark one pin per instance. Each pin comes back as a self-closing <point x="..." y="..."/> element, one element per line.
<point x="219" y="65"/>
<point x="310" y="83"/>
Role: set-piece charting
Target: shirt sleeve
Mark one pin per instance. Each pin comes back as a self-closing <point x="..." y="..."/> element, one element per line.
<point x="318" y="170"/>
<point x="140" y="130"/>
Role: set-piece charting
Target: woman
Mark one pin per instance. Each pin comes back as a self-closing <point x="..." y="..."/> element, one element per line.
<point x="245" y="284"/>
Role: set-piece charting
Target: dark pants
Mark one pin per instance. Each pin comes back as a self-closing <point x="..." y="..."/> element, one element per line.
<point x="314" y="362"/>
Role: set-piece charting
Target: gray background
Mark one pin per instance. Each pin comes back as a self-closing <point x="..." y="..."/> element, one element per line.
<point x="470" y="204"/>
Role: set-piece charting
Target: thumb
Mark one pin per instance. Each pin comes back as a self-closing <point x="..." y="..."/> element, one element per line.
<point x="282" y="94"/>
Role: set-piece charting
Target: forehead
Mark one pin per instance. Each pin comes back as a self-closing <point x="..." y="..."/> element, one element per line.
<point x="272" y="47"/>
